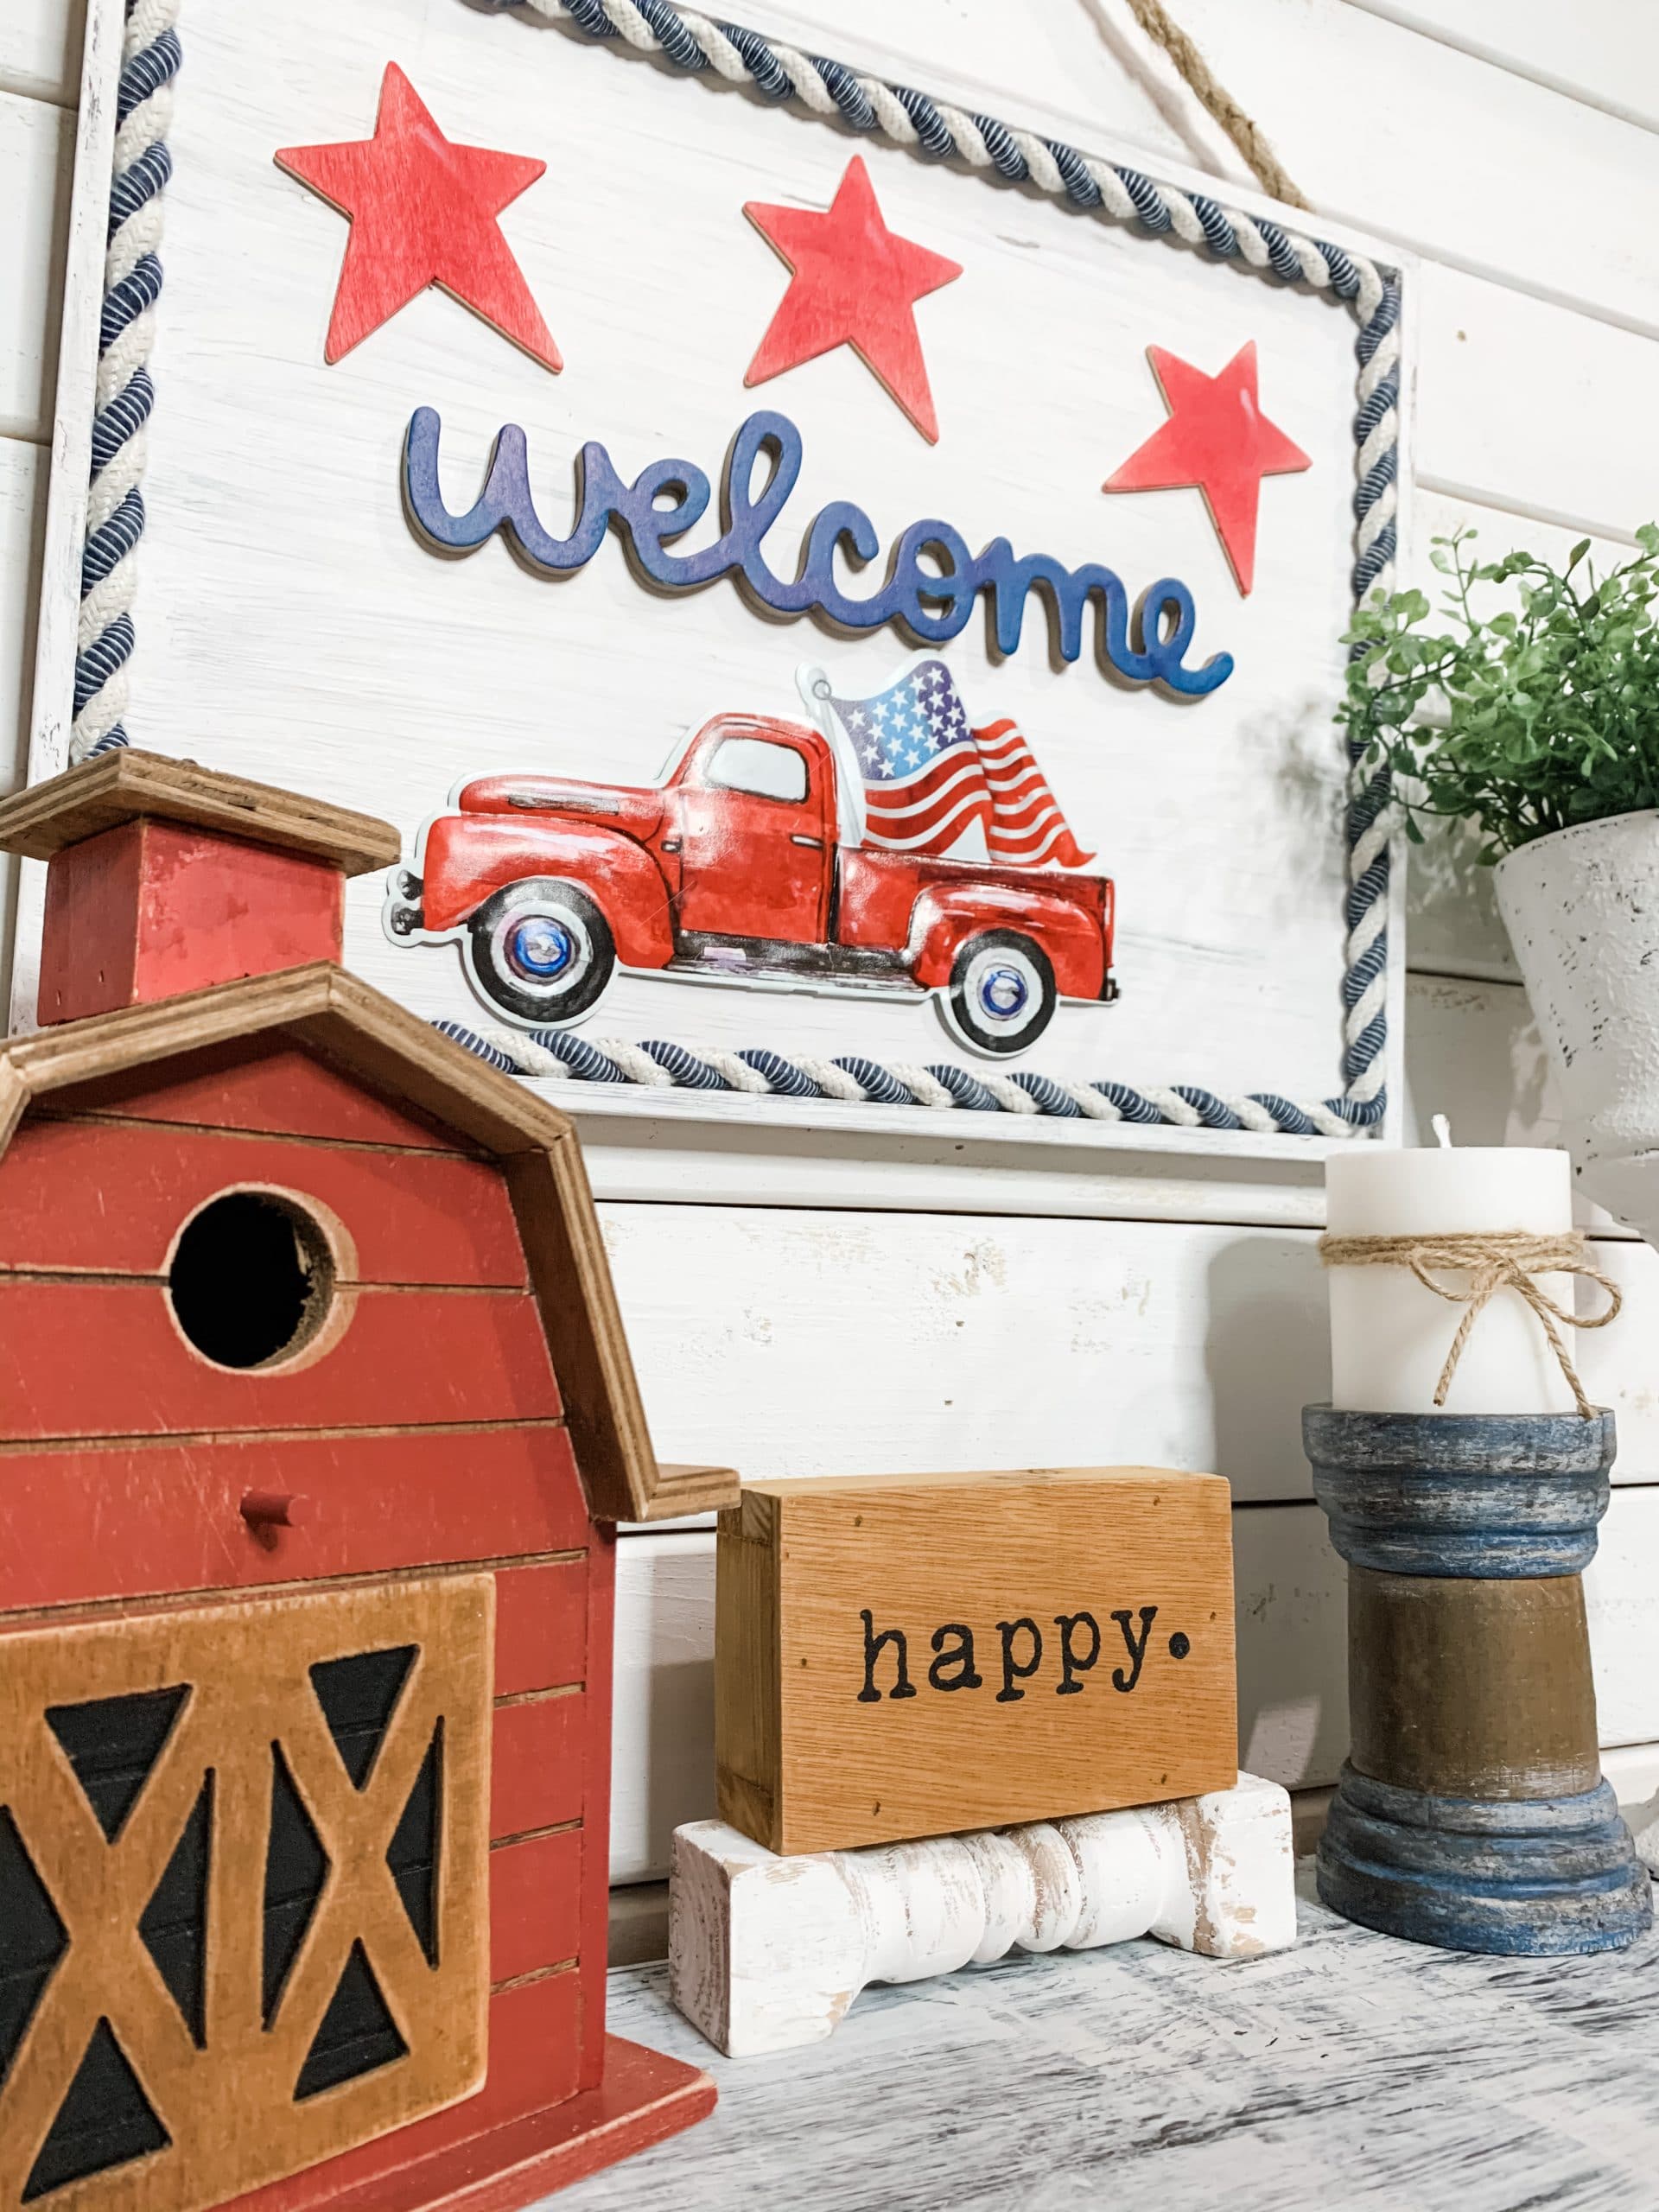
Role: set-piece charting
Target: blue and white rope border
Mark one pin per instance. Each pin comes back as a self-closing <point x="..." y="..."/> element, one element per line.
<point x="132" y="283"/>
<point x="698" y="44"/>
<point x="760" y="1072"/>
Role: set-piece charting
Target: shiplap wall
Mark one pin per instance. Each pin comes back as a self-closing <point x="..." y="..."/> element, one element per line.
<point x="828" y="1317"/>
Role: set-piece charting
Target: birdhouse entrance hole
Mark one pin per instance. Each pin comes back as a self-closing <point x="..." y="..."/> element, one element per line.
<point x="252" y="1279"/>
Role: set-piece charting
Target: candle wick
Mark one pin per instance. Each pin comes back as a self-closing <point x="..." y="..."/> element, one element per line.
<point x="1442" y="1128"/>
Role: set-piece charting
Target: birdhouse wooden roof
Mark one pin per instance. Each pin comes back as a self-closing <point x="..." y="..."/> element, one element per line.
<point x="98" y="817"/>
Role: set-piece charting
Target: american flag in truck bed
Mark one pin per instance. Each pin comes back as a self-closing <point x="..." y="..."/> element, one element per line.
<point x="930" y="776"/>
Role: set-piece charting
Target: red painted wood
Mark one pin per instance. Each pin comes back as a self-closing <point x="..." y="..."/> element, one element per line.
<point x="1217" y="439"/>
<point x="645" y="2099"/>
<point x="88" y="1522"/>
<point x="852" y="282"/>
<point x="535" y="1903"/>
<point x="532" y="2065"/>
<point x="90" y="1359"/>
<point x="596" y="1799"/>
<point x="541" y="1625"/>
<point x="424" y="212"/>
<point x="89" y="930"/>
<point x="537" y="1779"/>
<point x="151" y="908"/>
<point x="412" y="1217"/>
<point x="280" y="1088"/>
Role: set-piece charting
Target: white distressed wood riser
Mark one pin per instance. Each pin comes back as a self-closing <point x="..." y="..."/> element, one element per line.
<point x="767" y="1954"/>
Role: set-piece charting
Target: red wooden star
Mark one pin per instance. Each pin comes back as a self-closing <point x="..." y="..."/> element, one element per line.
<point x="853" y="282"/>
<point x="423" y="211"/>
<point x="1217" y="438"/>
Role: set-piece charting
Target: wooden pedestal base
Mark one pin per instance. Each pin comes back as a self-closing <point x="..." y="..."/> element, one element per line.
<point x="644" y="2099"/>
<point x="1525" y="1877"/>
<point x="1472" y="1814"/>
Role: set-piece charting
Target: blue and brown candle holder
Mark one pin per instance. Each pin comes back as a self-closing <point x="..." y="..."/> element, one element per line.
<point x="1471" y="1813"/>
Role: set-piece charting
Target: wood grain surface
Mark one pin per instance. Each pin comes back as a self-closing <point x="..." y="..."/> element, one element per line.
<point x="130" y="785"/>
<point x="229" y="2113"/>
<point x="911" y="1656"/>
<point x="1353" y="2070"/>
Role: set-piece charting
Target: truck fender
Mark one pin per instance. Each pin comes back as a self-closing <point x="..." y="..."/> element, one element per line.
<point x="946" y="915"/>
<point x="468" y="857"/>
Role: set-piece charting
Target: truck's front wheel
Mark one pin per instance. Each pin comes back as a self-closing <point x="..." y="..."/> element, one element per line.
<point x="1001" y="995"/>
<point x="541" y="950"/>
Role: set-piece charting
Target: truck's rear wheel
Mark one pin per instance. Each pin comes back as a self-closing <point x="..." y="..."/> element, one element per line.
<point x="1001" y="995"/>
<point x="541" y="950"/>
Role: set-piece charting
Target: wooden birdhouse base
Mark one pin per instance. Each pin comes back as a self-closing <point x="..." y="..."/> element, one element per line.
<point x="644" y="2099"/>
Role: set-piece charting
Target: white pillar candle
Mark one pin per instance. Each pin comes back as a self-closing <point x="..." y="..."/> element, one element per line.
<point x="1390" y="1336"/>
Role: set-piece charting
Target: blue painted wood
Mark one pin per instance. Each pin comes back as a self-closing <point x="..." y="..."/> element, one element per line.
<point x="1434" y="1497"/>
<point x="1492" y="1496"/>
<point x="1529" y="1877"/>
<point x="931" y="605"/>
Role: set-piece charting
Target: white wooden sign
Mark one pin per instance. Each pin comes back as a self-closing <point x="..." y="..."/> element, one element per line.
<point x="830" y="624"/>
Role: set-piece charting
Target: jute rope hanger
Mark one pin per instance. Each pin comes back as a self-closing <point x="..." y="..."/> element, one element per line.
<point x="1487" y="1263"/>
<point x="1214" y="97"/>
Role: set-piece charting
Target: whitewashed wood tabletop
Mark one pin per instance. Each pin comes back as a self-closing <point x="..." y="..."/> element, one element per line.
<point x="1353" y="2070"/>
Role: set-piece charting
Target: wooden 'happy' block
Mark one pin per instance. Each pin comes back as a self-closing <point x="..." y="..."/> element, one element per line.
<point x="911" y="1655"/>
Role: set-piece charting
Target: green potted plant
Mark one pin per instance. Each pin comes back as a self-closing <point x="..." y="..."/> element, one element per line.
<point x="1530" y="711"/>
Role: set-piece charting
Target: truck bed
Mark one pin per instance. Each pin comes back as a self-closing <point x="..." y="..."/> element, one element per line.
<point x="878" y="890"/>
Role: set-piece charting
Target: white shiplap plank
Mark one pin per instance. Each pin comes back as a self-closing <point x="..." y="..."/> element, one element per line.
<point x="1621" y="1595"/>
<point x="1418" y="142"/>
<point x="1474" y="1054"/>
<point x="1290" y="1608"/>
<point x="1522" y="403"/>
<point x="790" y="1342"/>
<point x="37" y="149"/>
<point x="787" y="1342"/>
<point x="1603" y="52"/>
<point x="22" y="514"/>
<point x="898" y="1160"/>
<point x="40" y="49"/>
<point x="23" y="523"/>
<point x="663" y="1720"/>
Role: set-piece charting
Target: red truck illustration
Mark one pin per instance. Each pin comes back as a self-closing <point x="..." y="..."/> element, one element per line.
<point x="755" y="860"/>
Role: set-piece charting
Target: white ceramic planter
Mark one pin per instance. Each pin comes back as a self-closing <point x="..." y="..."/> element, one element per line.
<point x="1582" y="910"/>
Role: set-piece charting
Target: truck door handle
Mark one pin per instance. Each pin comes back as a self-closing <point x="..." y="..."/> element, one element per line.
<point x="796" y="838"/>
<point x="672" y="844"/>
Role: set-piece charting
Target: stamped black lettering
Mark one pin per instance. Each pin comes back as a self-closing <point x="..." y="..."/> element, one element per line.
<point x="957" y="1656"/>
<point x="1072" y="1662"/>
<point x="1012" y="1672"/>
<point x="903" y="1687"/>
<point x="1137" y="1650"/>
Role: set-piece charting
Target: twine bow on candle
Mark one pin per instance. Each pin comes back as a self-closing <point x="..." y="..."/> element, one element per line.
<point x="1489" y="1261"/>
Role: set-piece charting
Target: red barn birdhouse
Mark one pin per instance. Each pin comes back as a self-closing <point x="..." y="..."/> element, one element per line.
<point x="316" y="1417"/>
